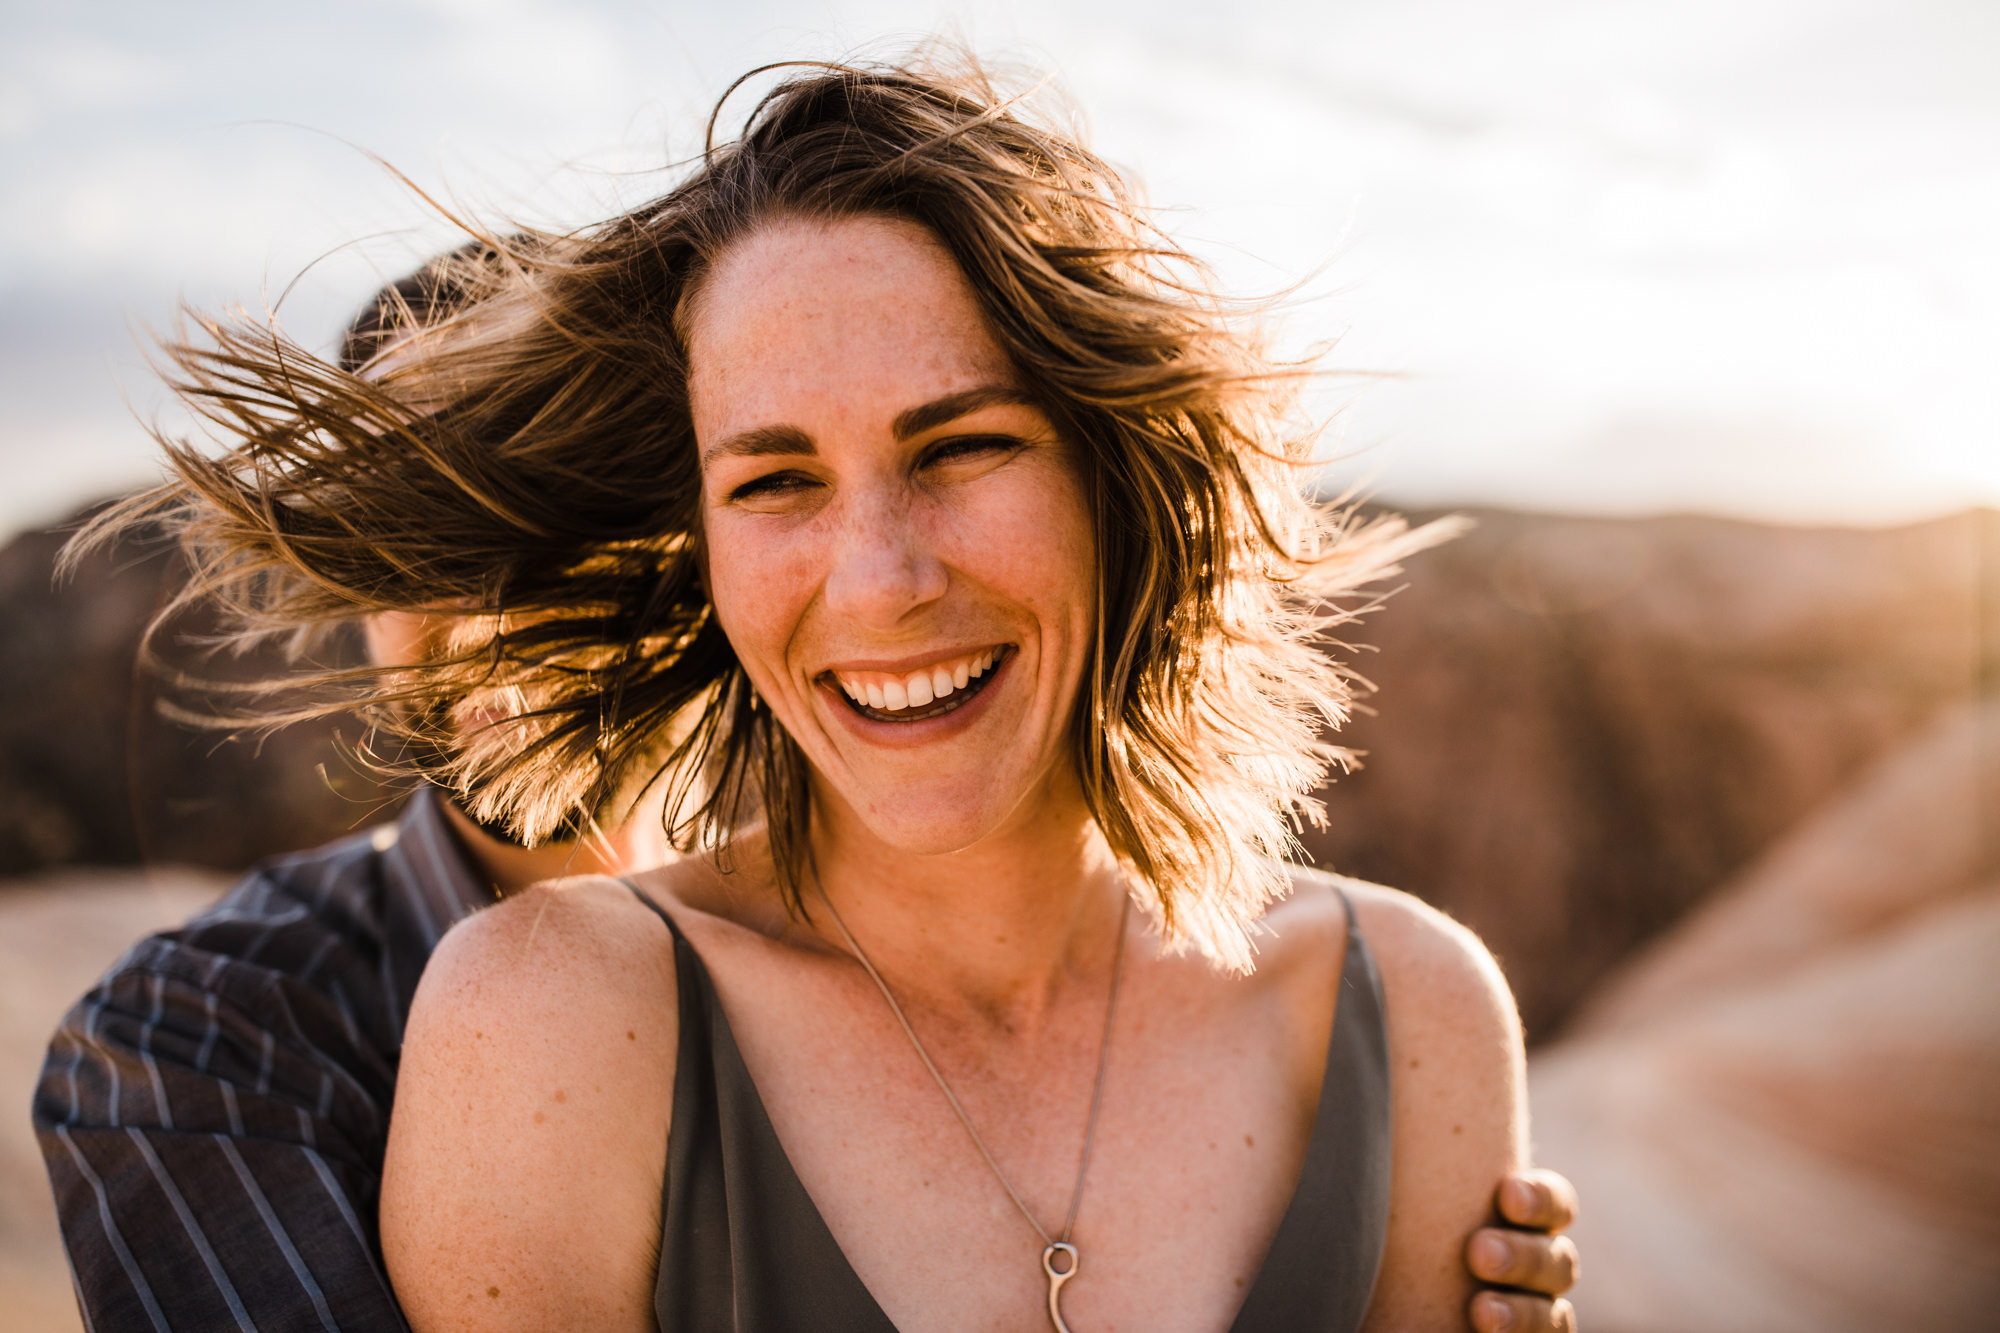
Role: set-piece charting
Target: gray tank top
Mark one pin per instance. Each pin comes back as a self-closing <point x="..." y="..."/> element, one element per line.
<point x="744" y="1250"/>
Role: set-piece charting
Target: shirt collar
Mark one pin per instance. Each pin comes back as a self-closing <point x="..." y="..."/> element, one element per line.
<point x="436" y="875"/>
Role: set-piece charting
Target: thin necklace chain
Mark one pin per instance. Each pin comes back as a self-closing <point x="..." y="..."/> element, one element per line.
<point x="1096" y="1091"/>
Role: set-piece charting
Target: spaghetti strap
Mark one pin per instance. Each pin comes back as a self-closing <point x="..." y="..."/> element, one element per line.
<point x="1321" y="1268"/>
<point x="742" y="1245"/>
<point x="658" y="910"/>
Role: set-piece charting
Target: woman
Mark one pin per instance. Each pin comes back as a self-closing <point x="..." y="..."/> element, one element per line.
<point x="911" y="489"/>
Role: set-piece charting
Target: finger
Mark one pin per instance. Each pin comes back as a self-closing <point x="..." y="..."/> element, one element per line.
<point x="1512" y="1312"/>
<point x="1546" y="1265"/>
<point x="1539" y="1200"/>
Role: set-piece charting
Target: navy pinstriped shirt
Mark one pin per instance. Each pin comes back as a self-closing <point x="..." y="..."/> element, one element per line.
<point x="214" y="1114"/>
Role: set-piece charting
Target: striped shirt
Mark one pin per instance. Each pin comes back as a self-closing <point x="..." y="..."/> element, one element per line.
<point x="214" y="1114"/>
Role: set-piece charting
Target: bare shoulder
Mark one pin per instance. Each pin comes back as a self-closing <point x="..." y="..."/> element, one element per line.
<point x="1308" y="923"/>
<point x="1457" y="1088"/>
<point x="563" y="973"/>
<point x="528" y="1139"/>
<point x="1436" y="968"/>
<point x="589" y="931"/>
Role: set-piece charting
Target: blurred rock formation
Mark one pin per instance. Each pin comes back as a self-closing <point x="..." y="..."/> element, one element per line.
<point x="1585" y="727"/>
<point x="91" y="774"/>
<point x="1794" y="1096"/>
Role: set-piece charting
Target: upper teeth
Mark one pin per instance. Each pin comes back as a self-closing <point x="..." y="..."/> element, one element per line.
<point x="915" y="689"/>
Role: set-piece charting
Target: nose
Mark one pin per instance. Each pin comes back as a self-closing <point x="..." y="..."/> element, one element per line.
<point x="884" y="567"/>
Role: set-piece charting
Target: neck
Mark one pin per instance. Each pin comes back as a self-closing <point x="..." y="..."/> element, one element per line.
<point x="637" y="843"/>
<point x="998" y="932"/>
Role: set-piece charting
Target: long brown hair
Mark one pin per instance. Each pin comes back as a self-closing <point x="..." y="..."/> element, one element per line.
<point x="520" y="458"/>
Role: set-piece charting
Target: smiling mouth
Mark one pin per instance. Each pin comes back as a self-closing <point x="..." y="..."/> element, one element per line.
<point x="917" y="696"/>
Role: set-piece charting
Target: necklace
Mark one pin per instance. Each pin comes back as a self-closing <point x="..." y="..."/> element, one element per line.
<point x="1054" y="1247"/>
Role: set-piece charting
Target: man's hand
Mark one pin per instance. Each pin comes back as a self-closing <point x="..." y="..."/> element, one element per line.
<point x="1529" y="1262"/>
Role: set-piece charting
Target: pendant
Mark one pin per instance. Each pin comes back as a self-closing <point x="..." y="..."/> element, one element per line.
<point x="1057" y="1278"/>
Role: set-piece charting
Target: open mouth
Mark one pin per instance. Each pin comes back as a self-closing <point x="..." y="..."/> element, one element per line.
<point x="917" y="696"/>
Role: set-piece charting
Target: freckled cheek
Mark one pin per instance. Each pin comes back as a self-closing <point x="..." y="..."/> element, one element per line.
<point x="760" y="589"/>
<point x="1034" y="546"/>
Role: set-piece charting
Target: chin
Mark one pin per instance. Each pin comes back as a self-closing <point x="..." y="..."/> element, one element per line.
<point x="959" y="816"/>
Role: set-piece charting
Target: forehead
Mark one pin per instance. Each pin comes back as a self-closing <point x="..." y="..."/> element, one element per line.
<point x="844" y="320"/>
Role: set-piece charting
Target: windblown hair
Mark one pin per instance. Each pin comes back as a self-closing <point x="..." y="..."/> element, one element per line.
<point x="510" y="446"/>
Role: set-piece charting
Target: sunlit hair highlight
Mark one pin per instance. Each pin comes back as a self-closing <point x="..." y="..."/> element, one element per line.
<point x="513" y="451"/>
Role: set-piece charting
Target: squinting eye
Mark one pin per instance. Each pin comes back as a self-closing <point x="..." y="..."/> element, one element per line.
<point x="772" y="484"/>
<point x="965" y="447"/>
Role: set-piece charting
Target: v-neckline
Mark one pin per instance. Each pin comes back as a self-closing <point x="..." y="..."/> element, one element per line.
<point x="1348" y="1145"/>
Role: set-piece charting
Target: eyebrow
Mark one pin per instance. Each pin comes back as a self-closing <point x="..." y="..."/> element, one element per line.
<point x="955" y="405"/>
<point x="790" y="441"/>
<point x="761" y="442"/>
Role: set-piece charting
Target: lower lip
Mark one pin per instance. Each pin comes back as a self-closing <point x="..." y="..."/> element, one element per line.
<point x="931" y="728"/>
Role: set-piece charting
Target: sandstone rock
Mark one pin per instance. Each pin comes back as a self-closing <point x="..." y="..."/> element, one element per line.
<point x="1785" y="1115"/>
<point x="90" y="773"/>
<point x="1586" y="726"/>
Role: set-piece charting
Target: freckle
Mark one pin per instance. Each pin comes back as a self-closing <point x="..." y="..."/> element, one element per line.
<point x="1249" y="1141"/>
<point x="1211" y="1147"/>
<point x="630" y="1036"/>
<point x="1415" y="1063"/>
<point x="999" y="939"/>
<point x="1239" y="1281"/>
<point x="561" y="1096"/>
<point x="494" y="1292"/>
<point x="539" y="1117"/>
<point x="1458" y="1129"/>
<point x="476" y="1036"/>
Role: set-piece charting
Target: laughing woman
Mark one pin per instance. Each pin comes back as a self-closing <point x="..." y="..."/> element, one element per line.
<point x="893" y="495"/>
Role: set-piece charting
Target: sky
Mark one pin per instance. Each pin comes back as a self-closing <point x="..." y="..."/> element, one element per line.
<point x="1600" y="256"/>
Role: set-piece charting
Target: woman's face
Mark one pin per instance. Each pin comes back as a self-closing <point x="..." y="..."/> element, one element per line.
<point x="896" y="539"/>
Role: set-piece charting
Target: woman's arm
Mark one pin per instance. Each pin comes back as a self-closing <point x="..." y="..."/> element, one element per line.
<point x="528" y="1142"/>
<point x="1460" y="1111"/>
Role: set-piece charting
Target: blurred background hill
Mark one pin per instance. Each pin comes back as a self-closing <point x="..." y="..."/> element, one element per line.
<point x="1584" y="726"/>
